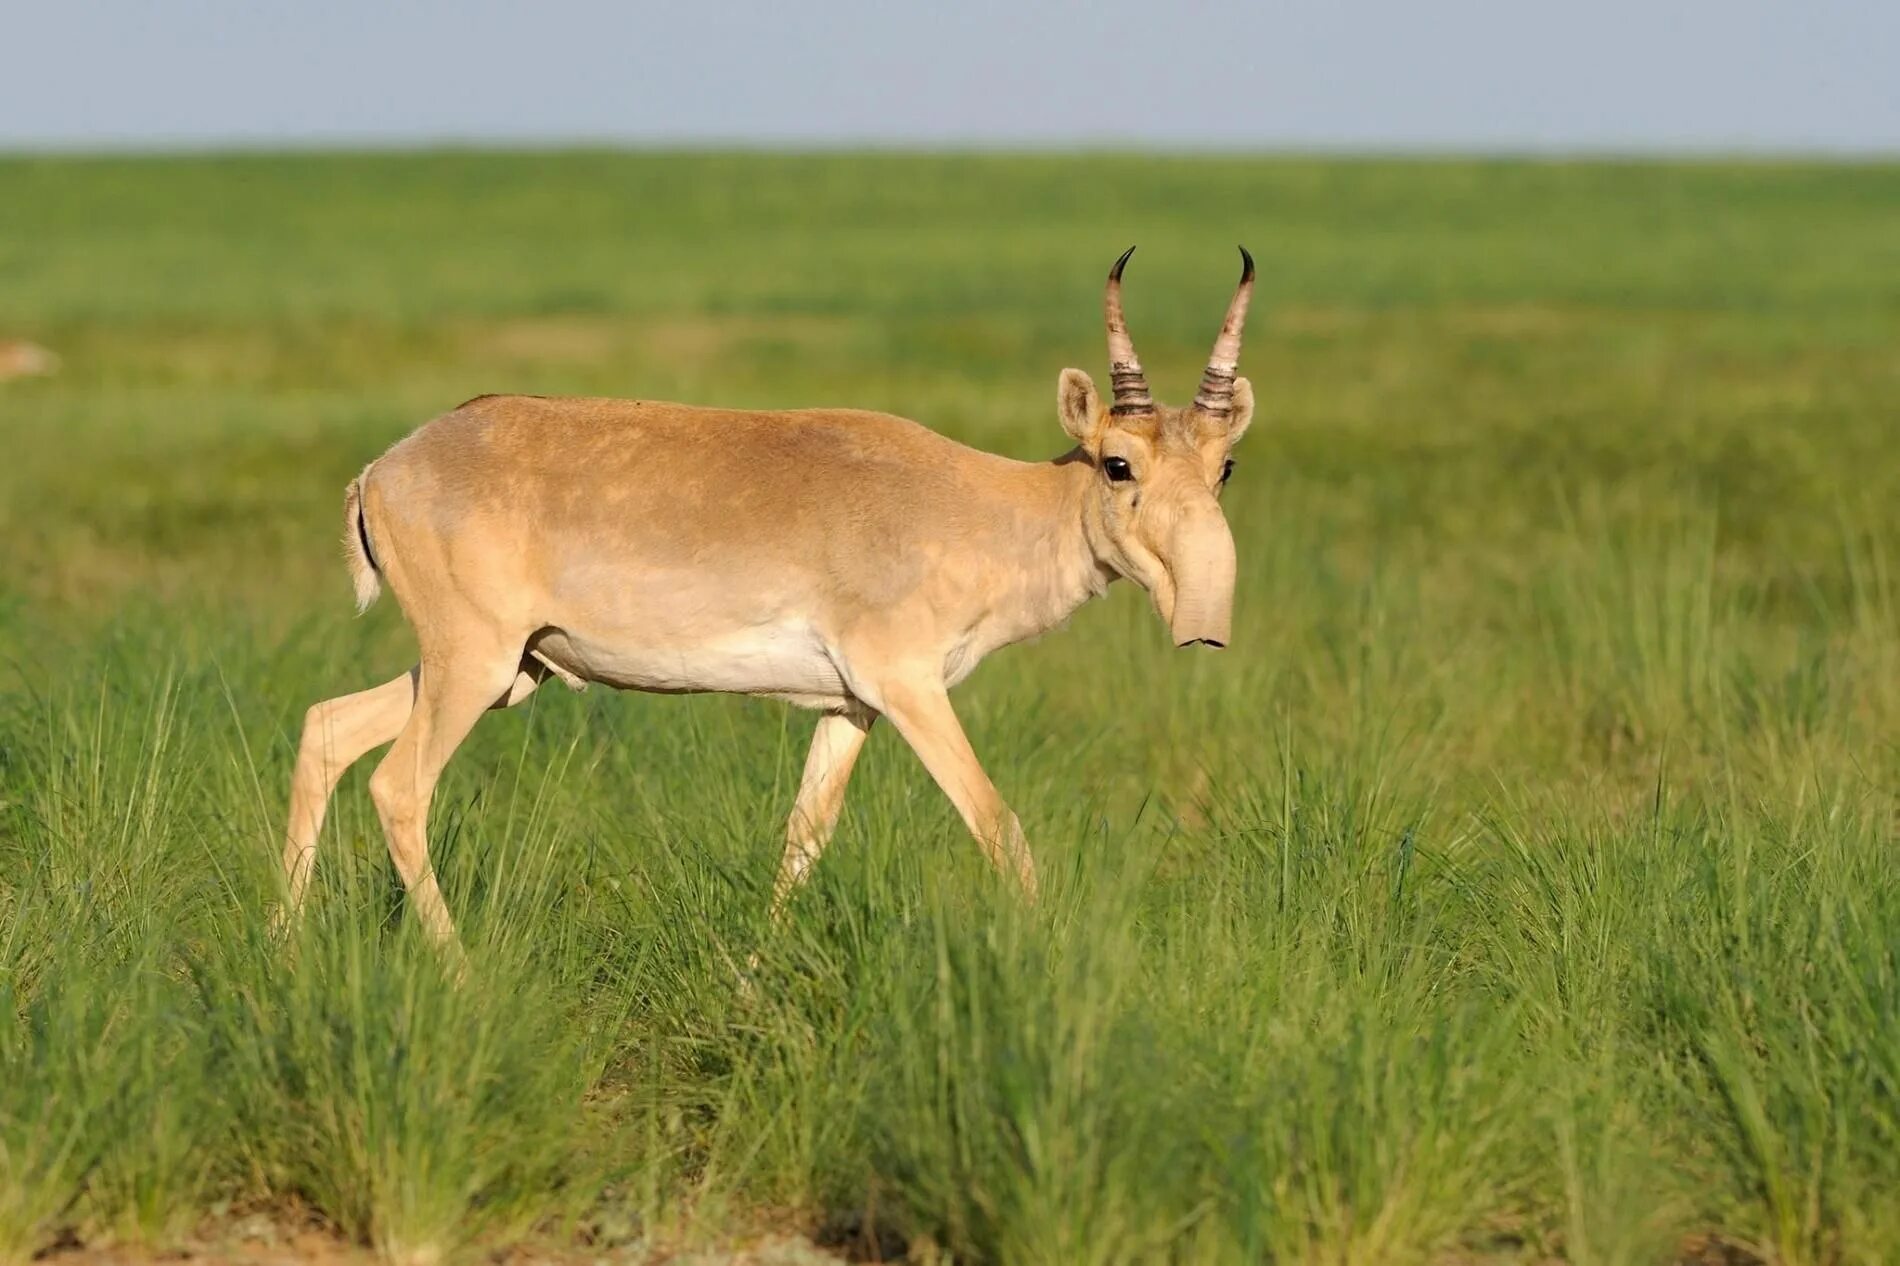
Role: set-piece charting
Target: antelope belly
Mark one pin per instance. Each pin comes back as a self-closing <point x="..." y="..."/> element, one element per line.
<point x="786" y="659"/>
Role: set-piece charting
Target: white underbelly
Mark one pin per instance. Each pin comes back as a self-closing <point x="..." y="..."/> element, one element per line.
<point x="786" y="659"/>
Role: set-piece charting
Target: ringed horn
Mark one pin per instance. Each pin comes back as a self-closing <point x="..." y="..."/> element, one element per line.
<point x="1124" y="367"/>
<point x="1216" y="396"/>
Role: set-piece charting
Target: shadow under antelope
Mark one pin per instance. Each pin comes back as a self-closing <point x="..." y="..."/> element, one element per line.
<point x="850" y="562"/>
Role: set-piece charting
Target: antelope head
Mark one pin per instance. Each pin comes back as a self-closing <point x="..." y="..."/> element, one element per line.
<point x="1153" y="511"/>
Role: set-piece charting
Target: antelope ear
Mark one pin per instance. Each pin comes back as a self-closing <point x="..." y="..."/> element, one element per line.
<point x="1243" y="410"/>
<point x="1078" y="406"/>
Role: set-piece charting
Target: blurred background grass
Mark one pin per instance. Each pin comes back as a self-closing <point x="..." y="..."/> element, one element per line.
<point x="1520" y="886"/>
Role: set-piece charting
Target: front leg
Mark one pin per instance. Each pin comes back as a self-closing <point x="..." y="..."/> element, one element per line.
<point x="834" y="750"/>
<point x="920" y="709"/>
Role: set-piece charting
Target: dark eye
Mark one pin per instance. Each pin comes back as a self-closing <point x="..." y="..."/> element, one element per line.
<point x="1116" y="469"/>
<point x="1227" y="470"/>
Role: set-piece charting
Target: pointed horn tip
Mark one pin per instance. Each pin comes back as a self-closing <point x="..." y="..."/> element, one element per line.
<point x="1115" y="273"/>
<point x="1246" y="266"/>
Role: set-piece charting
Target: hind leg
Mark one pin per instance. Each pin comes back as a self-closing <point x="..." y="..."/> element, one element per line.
<point x="336" y="734"/>
<point x="451" y="696"/>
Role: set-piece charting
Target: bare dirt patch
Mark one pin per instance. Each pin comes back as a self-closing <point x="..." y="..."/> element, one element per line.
<point x="299" y="1238"/>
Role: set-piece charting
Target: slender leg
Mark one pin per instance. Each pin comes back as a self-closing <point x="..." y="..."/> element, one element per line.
<point x="834" y="750"/>
<point x="922" y="713"/>
<point x="451" y="697"/>
<point x="336" y="734"/>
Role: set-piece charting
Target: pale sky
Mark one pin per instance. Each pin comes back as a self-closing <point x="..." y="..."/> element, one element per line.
<point x="1624" y="75"/>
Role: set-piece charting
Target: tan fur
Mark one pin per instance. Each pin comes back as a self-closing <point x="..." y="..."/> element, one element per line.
<point x="852" y="562"/>
<point x="24" y="360"/>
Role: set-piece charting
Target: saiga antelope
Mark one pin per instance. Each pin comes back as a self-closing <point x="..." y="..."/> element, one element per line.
<point x="23" y="360"/>
<point x="851" y="562"/>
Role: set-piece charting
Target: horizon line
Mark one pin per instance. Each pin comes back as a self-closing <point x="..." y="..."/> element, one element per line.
<point x="346" y="144"/>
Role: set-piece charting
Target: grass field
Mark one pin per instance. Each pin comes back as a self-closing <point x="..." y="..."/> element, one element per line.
<point x="1523" y="886"/>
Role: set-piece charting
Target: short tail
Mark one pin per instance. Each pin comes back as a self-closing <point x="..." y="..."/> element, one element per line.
<point x="364" y="574"/>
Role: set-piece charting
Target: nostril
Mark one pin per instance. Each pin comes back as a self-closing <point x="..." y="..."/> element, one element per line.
<point x="1201" y="641"/>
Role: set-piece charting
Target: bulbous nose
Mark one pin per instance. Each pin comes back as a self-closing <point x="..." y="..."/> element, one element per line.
<point x="1201" y="560"/>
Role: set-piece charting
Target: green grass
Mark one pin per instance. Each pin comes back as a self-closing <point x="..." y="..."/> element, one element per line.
<point x="1524" y="884"/>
